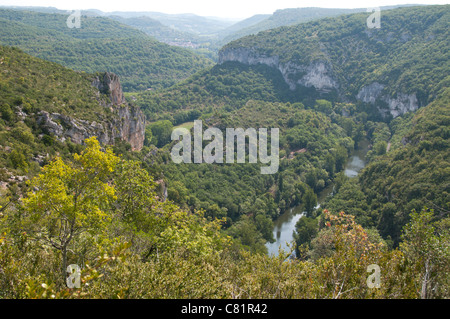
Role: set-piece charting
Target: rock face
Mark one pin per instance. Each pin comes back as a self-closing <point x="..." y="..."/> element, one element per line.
<point x="318" y="74"/>
<point x="109" y="84"/>
<point x="397" y="106"/>
<point x="127" y="122"/>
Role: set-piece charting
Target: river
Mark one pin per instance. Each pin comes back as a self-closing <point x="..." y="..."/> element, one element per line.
<point x="284" y="226"/>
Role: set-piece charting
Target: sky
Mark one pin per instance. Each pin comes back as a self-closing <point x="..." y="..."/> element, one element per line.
<point x="234" y="9"/>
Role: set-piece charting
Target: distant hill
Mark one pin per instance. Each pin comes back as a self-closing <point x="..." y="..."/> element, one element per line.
<point x="292" y="16"/>
<point x="101" y="44"/>
<point x="158" y="30"/>
<point x="286" y="17"/>
<point x="189" y="23"/>
<point x="242" y="25"/>
<point x="389" y="72"/>
<point x="397" y="68"/>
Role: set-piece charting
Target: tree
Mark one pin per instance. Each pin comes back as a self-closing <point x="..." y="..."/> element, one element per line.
<point x="148" y="136"/>
<point x="246" y="232"/>
<point x="161" y="131"/>
<point x="323" y="106"/>
<point x="6" y="112"/>
<point x="70" y="199"/>
<point x="309" y="201"/>
<point x="305" y="230"/>
<point x="426" y="246"/>
<point x="265" y="226"/>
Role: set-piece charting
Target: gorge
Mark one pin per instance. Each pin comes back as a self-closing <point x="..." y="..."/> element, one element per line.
<point x="284" y="225"/>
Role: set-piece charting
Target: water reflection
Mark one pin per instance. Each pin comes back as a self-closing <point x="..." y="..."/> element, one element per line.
<point x="284" y="226"/>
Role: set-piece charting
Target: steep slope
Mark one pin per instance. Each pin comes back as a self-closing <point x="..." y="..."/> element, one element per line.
<point x="228" y="86"/>
<point x="386" y="72"/>
<point x="343" y="57"/>
<point x="418" y="171"/>
<point x="100" y="44"/>
<point x="410" y="176"/>
<point x="47" y="109"/>
<point x="286" y="17"/>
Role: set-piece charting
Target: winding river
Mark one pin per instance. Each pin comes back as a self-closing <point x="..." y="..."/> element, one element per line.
<point x="284" y="226"/>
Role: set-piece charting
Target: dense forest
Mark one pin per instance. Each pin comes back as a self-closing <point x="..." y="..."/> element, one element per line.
<point x="141" y="226"/>
<point x="408" y="55"/>
<point x="100" y="45"/>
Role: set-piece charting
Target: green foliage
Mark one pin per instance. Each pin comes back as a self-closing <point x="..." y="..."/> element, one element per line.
<point x="187" y="256"/>
<point x="17" y="159"/>
<point x="247" y="234"/>
<point x="232" y="273"/>
<point x="28" y="86"/>
<point x="148" y="136"/>
<point x="6" y="111"/>
<point x="305" y="230"/>
<point x="426" y="244"/>
<point x="309" y="201"/>
<point x="100" y="45"/>
<point x="409" y="54"/>
<point x="69" y="200"/>
<point x="286" y="17"/>
<point x="225" y="190"/>
<point x="410" y="176"/>
<point x="161" y="133"/>
<point x="224" y="87"/>
<point x="109" y="215"/>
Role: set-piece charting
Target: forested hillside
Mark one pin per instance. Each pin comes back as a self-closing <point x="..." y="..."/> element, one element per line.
<point x="412" y="175"/>
<point x="252" y="91"/>
<point x="287" y="17"/>
<point x="101" y="44"/>
<point x="48" y="110"/>
<point x="398" y="67"/>
<point x="87" y="178"/>
<point x="402" y="66"/>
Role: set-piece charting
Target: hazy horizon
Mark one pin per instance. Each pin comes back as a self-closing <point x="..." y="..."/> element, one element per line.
<point x="221" y="10"/>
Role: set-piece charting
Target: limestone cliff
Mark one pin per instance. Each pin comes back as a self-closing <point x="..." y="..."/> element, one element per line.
<point x="109" y="84"/>
<point x="396" y="106"/>
<point x="319" y="75"/>
<point x="126" y="122"/>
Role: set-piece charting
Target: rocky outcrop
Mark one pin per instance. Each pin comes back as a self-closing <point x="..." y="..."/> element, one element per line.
<point x="247" y="56"/>
<point x="318" y="74"/>
<point x="370" y="93"/>
<point x="126" y="123"/>
<point x="109" y="84"/>
<point x="402" y="104"/>
<point x="396" y="106"/>
<point x="163" y="193"/>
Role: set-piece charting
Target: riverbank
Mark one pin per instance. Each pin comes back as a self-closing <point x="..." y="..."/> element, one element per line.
<point x="284" y="225"/>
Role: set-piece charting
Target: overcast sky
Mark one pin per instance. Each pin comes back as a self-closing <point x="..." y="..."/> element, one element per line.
<point x="224" y="8"/>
